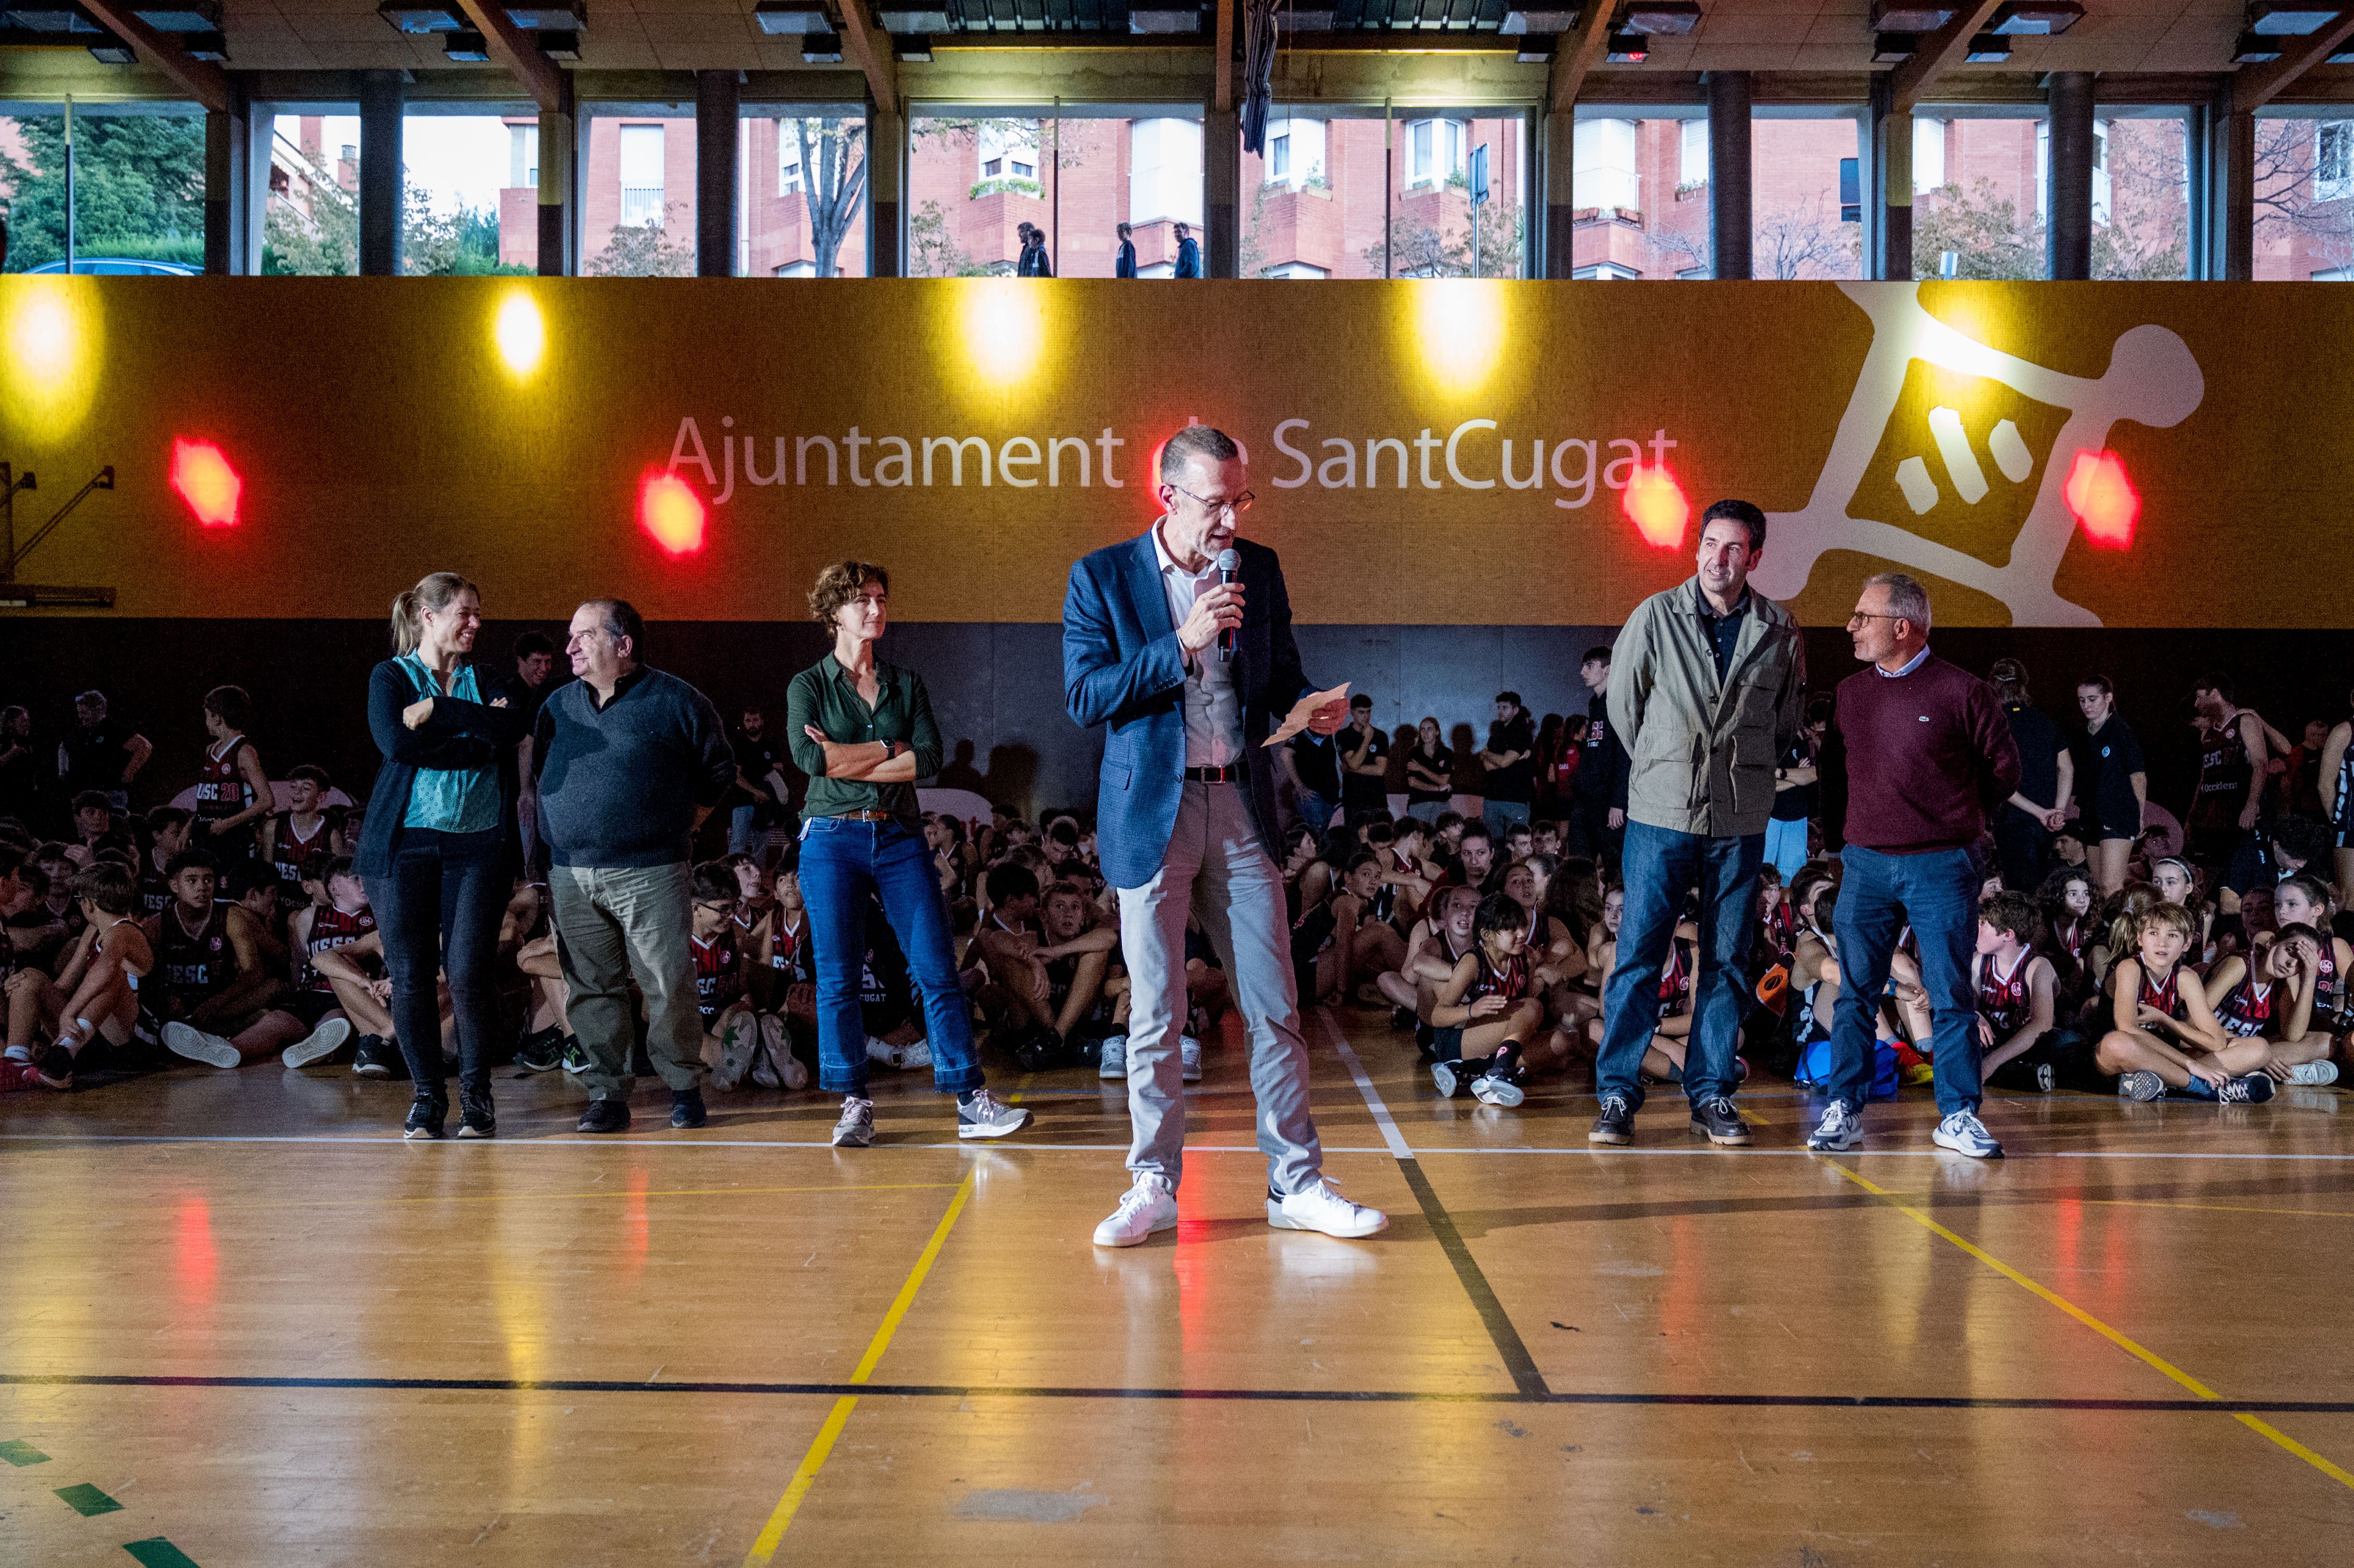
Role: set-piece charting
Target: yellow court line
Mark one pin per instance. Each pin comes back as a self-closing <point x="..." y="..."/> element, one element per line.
<point x="593" y="1192"/>
<point x="764" y="1550"/>
<point x="2132" y="1347"/>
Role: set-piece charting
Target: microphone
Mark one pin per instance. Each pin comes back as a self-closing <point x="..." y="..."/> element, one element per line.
<point x="1229" y="563"/>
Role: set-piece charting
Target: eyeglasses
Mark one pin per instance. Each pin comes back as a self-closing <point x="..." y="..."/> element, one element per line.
<point x="1234" y="508"/>
<point x="715" y="908"/>
<point x="1861" y="616"/>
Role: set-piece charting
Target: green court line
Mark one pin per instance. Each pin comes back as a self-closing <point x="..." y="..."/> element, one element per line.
<point x="158" y="1553"/>
<point x="19" y="1453"/>
<point x="88" y="1500"/>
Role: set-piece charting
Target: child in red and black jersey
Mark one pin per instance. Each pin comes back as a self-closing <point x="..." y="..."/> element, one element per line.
<point x="169" y="828"/>
<point x="2163" y="1034"/>
<point x="233" y="793"/>
<point x="289" y="838"/>
<point x="339" y="917"/>
<point x="723" y="967"/>
<point x="2017" y="991"/>
<point x="1485" y="1013"/>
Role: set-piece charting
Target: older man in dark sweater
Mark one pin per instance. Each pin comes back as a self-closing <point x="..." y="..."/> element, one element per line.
<point x="1925" y="744"/>
<point x="631" y="760"/>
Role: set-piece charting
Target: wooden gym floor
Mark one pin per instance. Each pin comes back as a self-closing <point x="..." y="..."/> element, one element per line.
<point x="242" y="1323"/>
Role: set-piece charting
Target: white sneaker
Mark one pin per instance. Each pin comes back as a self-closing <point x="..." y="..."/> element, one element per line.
<point x="2314" y="1075"/>
<point x="1964" y="1134"/>
<point x="735" y="1049"/>
<point x="986" y="1116"/>
<point x="774" y="1066"/>
<point x="1145" y="1209"/>
<point x="187" y="1040"/>
<point x="17" y="1053"/>
<point x="880" y="1053"/>
<point x="913" y="1057"/>
<point x="1189" y="1058"/>
<point x="319" y="1045"/>
<point x="1320" y="1207"/>
<point x="856" y="1128"/>
<point x="1842" y="1129"/>
<point x="1114" y="1058"/>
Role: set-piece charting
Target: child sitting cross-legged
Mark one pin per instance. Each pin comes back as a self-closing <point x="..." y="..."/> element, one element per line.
<point x="2164" y="1035"/>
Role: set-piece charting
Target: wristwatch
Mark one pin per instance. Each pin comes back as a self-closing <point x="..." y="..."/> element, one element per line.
<point x="890" y="749"/>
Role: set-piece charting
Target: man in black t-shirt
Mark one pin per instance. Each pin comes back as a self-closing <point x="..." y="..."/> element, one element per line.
<point x="1796" y="790"/>
<point x="1364" y="761"/>
<point x="100" y="753"/>
<point x="1314" y="762"/>
<point x="753" y="801"/>
<point x="2047" y="782"/>
<point x="1511" y="764"/>
<point x="1598" y="790"/>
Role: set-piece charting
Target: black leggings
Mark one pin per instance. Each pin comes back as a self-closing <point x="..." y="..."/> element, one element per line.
<point x="440" y="911"/>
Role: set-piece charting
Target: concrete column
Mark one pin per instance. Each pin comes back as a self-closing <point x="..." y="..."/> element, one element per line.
<point x="717" y="95"/>
<point x="1887" y="192"/>
<point x="886" y="164"/>
<point x="383" y="95"/>
<point x="2068" y="234"/>
<point x="2231" y="159"/>
<point x="1730" y="219"/>
<point x="1222" y="178"/>
<point x="1560" y="164"/>
<point x="558" y="169"/>
<point x="228" y="160"/>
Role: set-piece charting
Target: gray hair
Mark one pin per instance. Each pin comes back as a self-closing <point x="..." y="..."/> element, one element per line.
<point x="1195" y="441"/>
<point x="1907" y="599"/>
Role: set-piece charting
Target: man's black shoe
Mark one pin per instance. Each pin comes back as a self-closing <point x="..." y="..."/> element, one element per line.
<point x="475" y="1117"/>
<point x="605" y="1115"/>
<point x="1716" y="1120"/>
<point x="425" y="1115"/>
<point x="1040" y="1051"/>
<point x="686" y="1108"/>
<point x="1614" y="1125"/>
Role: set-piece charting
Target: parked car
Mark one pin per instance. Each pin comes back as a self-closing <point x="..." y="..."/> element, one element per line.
<point x="122" y="267"/>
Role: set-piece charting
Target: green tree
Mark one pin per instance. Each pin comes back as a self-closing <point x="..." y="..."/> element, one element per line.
<point x="1985" y="232"/>
<point x="934" y="252"/>
<point x="643" y="251"/>
<point x="138" y="179"/>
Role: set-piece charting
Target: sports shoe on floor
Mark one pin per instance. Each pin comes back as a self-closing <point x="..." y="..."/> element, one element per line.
<point x="605" y="1115"/>
<point x="576" y="1056"/>
<point x="377" y="1057"/>
<point x="916" y="1058"/>
<point x="319" y="1045"/>
<point x="1495" y="1087"/>
<point x="1716" y="1120"/>
<point x="986" y="1116"/>
<point x="1614" y="1125"/>
<point x="18" y="1054"/>
<point x="476" y="1117"/>
<point x="1451" y="1077"/>
<point x="54" y="1067"/>
<point x="1113" y="1063"/>
<point x="1964" y="1133"/>
<point x="774" y="1066"/>
<point x="736" y="1048"/>
<point x="856" y="1128"/>
<point x="881" y="1052"/>
<point x="2314" y="1075"/>
<point x="1319" y="1207"/>
<point x="1041" y="1049"/>
<point x="186" y="1040"/>
<point x="2045" y="1078"/>
<point x="541" y="1053"/>
<point x="2140" y="1086"/>
<point x="1147" y="1208"/>
<point x="1842" y="1129"/>
<point x="1189" y="1058"/>
<point x="686" y="1108"/>
<point x="1402" y="1019"/>
<point x="425" y="1115"/>
<point x="2252" y="1089"/>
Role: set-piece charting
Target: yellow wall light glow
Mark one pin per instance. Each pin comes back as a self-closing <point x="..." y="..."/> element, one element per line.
<point x="1003" y="324"/>
<point x="50" y="334"/>
<point x="1459" y="329"/>
<point x="520" y="333"/>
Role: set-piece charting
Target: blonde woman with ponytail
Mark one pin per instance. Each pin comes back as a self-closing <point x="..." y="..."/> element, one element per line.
<point x="439" y="848"/>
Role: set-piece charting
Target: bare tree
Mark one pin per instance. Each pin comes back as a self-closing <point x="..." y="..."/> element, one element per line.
<point x="834" y="184"/>
<point x="2145" y="231"/>
<point x="1799" y="242"/>
<point x="2296" y="196"/>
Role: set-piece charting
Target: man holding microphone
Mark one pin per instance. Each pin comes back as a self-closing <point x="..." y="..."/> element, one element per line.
<point x="1179" y="643"/>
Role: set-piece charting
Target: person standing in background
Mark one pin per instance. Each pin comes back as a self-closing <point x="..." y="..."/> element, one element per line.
<point x="759" y="755"/>
<point x="1364" y="761"/>
<point x="1598" y="790"/>
<point x="1188" y="252"/>
<point x="97" y="754"/>
<point x="1124" y="265"/>
<point x="1509" y="765"/>
<point x="535" y="667"/>
<point x="2113" y="784"/>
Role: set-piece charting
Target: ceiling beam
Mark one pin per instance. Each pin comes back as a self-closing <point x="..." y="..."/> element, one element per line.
<point x="1938" y="53"/>
<point x="201" y="80"/>
<point x="1574" y="54"/>
<point x="2256" y="86"/>
<point x="1222" y="53"/>
<point x="518" y="52"/>
<point x="869" y="47"/>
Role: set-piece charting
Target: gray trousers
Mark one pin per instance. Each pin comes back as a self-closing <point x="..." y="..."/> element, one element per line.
<point x="1217" y="870"/>
<point x="613" y="923"/>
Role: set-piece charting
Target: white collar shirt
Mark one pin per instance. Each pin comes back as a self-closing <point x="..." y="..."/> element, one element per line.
<point x="1214" y="717"/>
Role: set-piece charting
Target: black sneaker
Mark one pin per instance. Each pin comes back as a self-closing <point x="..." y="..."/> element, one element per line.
<point x="605" y="1115"/>
<point x="475" y="1117"/>
<point x="1040" y="1051"/>
<point x="54" y="1067"/>
<point x="377" y="1057"/>
<point x="1425" y="1042"/>
<point x="541" y="1053"/>
<point x="1402" y="1019"/>
<point x="1614" y="1125"/>
<point x="425" y="1115"/>
<point x="1716" y="1120"/>
<point x="686" y="1108"/>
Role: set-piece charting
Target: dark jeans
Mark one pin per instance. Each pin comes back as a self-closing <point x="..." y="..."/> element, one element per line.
<point x="845" y="863"/>
<point x="1590" y="833"/>
<point x="1938" y="893"/>
<point x="1661" y="866"/>
<point x="2022" y="846"/>
<point x="440" y="911"/>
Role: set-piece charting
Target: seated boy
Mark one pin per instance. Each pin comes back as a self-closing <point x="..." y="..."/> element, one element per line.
<point x="2265" y="1004"/>
<point x="788" y="969"/>
<point x="1484" y="1013"/>
<point x="1438" y="939"/>
<point x="290" y="837"/>
<point x="332" y="1011"/>
<point x="2017" y="991"/>
<point x="217" y="1002"/>
<point x="96" y="996"/>
<point x="722" y="967"/>
<point x="1078" y="958"/>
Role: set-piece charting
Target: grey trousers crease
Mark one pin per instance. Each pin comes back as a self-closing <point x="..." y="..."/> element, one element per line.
<point x="614" y="924"/>
<point x="1217" y="870"/>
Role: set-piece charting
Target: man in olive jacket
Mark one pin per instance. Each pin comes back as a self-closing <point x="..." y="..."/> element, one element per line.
<point x="1705" y="688"/>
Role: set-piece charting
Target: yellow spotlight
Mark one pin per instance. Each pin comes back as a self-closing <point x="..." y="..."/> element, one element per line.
<point x="50" y="343"/>
<point x="1459" y="324"/>
<point x="522" y="335"/>
<point x="1004" y="326"/>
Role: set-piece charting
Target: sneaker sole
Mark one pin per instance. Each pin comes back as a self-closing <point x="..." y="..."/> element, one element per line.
<point x="2313" y="1075"/>
<point x="1968" y="1150"/>
<point x="1113" y="1075"/>
<point x="421" y="1134"/>
<point x="992" y="1130"/>
<point x="1497" y="1092"/>
<point x="302" y="1052"/>
<point x="1739" y="1140"/>
<point x="1283" y="1221"/>
<point x="1160" y="1225"/>
<point x="478" y="1131"/>
<point x="528" y="1065"/>
<point x="49" y="1083"/>
<point x="2139" y="1081"/>
<point x="186" y="1040"/>
<point x="1442" y="1075"/>
<point x="1614" y="1139"/>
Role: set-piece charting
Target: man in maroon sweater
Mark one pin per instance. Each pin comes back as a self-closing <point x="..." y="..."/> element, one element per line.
<point x="1925" y="743"/>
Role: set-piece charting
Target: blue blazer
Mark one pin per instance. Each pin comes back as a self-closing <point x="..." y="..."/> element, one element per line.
<point x="1122" y="668"/>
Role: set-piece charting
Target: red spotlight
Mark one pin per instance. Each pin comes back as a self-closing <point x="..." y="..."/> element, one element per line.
<point x="206" y="483"/>
<point x="669" y="509"/>
<point x="1656" y="504"/>
<point x="2103" y="498"/>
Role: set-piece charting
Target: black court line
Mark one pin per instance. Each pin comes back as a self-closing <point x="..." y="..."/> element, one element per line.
<point x="1526" y="1379"/>
<point x="1248" y="1396"/>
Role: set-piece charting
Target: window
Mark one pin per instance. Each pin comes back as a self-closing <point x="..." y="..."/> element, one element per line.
<point x="811" y="221"/>
<point x="1295" y="152"/>
<point x="788" y="161"/>
<point x="1851" y="190"/>
<point x="1604" y="269"/>
<point x="2333" y="163"/>
<point x="136" y="207"/>
<point x="1164" y="179"/>
<point x="1990" y="211"/>
<point x="1928" y="154"/>
<point x="2304" y="193"/>
<point x="2141" y="195"/>
<point x="523" y="154"/>
<point x="1807" y="217"/>
<point x="1278" y="158"/>
<point x="1603" y="165"/>
<point x="1008" y="149"/>
<point x="1693" y="163"/>
<point x="1434" y="151"/>
<point x="641" y="176"/>
<point x="1295" y="269"/>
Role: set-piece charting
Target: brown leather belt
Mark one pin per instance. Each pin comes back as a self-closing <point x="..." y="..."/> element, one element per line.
<point x="864" y="816"/>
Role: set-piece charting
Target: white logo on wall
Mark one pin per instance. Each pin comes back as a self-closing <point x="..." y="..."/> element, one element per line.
<point x="2152" y="379"/>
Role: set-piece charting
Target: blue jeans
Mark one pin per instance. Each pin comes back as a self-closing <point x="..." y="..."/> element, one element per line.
<point x="844" y="864"/>
<point x="1497" y="815"/>
<point x="1427" y="811"/>
<point x="1785" y="847"/>
<point x="439" y="911"/>
<point x="1660" y="866"/>
<point x="1316" y="810"/>
<point x="739" y="829"/>
<point x="1938" y="892"/>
